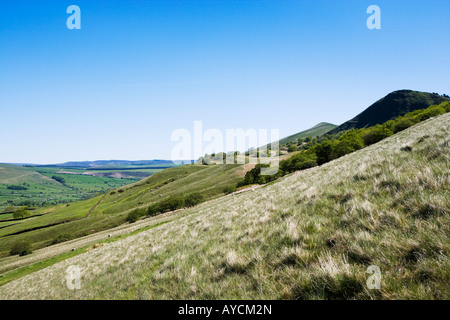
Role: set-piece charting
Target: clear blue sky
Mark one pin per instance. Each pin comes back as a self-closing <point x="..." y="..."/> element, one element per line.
<point x="137" y="70"/>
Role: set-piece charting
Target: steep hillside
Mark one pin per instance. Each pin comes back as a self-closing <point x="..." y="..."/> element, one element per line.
<point x="315" y="131"/>
<point x="311" y="235"/>
<point x="395" y="104"/>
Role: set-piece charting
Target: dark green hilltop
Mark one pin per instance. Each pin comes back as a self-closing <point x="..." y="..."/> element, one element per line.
<point x="395" y="104"/>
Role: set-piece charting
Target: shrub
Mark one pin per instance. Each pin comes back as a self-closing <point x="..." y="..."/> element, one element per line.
<point x="134" y="215"/>
<point x="347" y="143"/>
<point x="194" y="198"/>
<point x="21" y="247"/>
<point x="404" y="123"/>
<point x="375" y="134"/>
<point x="431" y="112"/>
<point x="169" y="204"/>
<point x="59" y="179"/>
<point x="254" y="176"/>
<point x="21" y="213"/>
<point x="324" y="151"/>
<point x="229" y="189"/>
<point x="61" y="238"/>
<point x="299" y="161"/>
<point x="13" y="187"/>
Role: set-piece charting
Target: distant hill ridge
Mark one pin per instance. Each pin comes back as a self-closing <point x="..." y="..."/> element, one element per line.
<point x="395" y="104"/>
<point x="318" y="130"/>
<point x="106" y="163"/>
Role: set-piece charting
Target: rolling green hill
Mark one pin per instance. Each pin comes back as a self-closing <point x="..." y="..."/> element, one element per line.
<point x="315" y="131"/>
<point x="311" y="235"/>
<point x="110" y="210"/>
<point x="395" y="104"/>
<point x="35" y="186"/>
<point x="11" y="174"/>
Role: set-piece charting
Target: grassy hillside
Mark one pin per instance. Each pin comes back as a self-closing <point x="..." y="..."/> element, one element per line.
<point x="315" y="131"/>
<point x="104" y="212"/>
<point x="11" y="174"/>
<point x="395" y="104"/>
<point x="80" y="180"/>
<point x="310" y="235"/>
<point x="42" y="190"/>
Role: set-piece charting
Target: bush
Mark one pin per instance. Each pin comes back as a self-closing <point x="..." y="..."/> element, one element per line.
<point x="431" y="112"/>
<point x="169" y="204"/>
<point x="13" y="187"/>
<point x="59" y="179"/>
<point x="194" y="198"/>
<point x="134" y="215"/>
<point x="404" y="123"/>
<point x="350" y="141"/>
<point x="229" y="189"/>
<point x="254" y="176"/>
<point x="61" y="238"/>
<point x="324" y="151"/>
<point x="22" y="213"/>
<point x="22" y="248"/>
<point x="299" y="161"/>
<point x="375" y="134"/>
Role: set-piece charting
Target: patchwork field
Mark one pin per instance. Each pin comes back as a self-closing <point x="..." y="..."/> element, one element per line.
<point x="102" y="212"/>
<point x="40" y="189"/>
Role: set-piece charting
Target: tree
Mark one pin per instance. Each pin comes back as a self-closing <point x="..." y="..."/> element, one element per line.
<point x="21" y="213"/>
<point x="431" y="112"/>
<point x="21" y="247"/>
<point x="376" y="133"/>
<point x="229" y="189"/>
<point x="193" y="199"/>
<point x="350" y="141"/>
<point x="59" y="179"/>
<point x="134" y="215"/>
<point x="13" y="187"/>
<point x="324" y="151"/>
<point x="404" y="123"/>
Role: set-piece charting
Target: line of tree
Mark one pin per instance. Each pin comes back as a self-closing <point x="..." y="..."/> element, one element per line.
<point x="59" y="179"/>
<point x="330" y="147"/>
<point x="170" y="204"/>
<point x="14" y="187"/>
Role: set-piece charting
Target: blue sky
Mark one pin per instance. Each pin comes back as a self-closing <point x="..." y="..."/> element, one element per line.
<point x="138" y="70"/>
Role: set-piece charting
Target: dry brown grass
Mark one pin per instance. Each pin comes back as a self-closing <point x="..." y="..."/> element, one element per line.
<point x="311" y="235"/>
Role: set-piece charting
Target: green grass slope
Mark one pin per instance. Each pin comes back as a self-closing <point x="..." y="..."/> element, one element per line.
<point x="315" y="131"/>
<point x="311" y="235"/>
<point x="42" y="190"/>
<point x="101" y="213"/>
<point x="395" y="104"/>
<point x="11" y="174"/>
